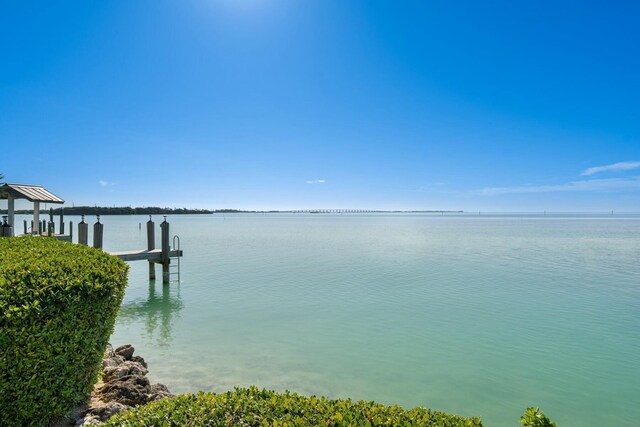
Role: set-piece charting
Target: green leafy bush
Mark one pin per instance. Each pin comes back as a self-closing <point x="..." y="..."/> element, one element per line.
<point x="262" y="408"/>
<point x="534" y="418"/>
<point x="58" y="304"/>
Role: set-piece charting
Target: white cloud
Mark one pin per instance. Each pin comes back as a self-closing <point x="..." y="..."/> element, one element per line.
<point x="316" y="181"/>
<point x="620" y="166"/>
<point x="612" y="184"/>
<point x="104" y="183"/>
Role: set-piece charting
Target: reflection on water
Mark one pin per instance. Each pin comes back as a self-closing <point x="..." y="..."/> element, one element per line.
<point x="157" y="312"/>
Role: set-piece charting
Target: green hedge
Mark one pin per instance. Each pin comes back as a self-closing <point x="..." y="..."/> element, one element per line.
<point x="534" y="418"/>
<point x="262" y="408"/>
<point x="58" y="304"/>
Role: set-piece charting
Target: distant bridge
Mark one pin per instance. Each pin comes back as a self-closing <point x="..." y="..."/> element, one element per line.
<point x="348" y="211"/>
<point x="331" y="211"/>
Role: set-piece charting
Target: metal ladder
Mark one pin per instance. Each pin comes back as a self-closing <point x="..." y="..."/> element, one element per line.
<point x="174" y="267"/>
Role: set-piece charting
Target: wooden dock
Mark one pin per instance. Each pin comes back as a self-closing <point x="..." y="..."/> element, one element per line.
<point x="153" y="255"/>
<point x="162" y="256"/>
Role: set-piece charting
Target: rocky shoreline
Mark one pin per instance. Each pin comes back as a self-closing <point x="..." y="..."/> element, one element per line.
<point x="123" y="385"/>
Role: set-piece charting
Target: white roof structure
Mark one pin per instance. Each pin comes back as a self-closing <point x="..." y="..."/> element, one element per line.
<point x="33" y="193"/>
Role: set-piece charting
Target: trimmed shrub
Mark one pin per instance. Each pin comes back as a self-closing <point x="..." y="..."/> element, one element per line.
<point x="262" y="408"/>
<point x="58" y="304"/>
<point x="534" y="418"/>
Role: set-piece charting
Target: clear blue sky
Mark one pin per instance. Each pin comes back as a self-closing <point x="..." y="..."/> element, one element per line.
<point x="256" y="104"/>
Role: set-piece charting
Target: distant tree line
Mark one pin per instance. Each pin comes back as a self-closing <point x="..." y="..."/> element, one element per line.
<point x="154" y="210"/>
<point x="124" y="210"/>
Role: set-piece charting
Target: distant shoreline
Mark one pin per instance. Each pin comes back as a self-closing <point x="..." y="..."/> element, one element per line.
<point x="122" y="211"/>
<point x="127" y="210"/>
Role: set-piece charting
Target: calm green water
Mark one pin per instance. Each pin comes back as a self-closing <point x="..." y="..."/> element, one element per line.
<point x="476" y="315"/>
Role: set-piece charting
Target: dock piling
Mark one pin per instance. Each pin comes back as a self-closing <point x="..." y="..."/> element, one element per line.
<point x="151" y="245"/>
<point x="164" y="228"/>
<point x="97" y="233"/>
<point x="83" y="232"/>
<point x="5" y="229"/>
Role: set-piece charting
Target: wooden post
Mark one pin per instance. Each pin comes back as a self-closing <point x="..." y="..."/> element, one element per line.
<point x="52" y="226"/>
<point x="61" y="221"/>
<point x="71" y="231"/>
<point x="10" y="213"/>
<point x="36" y="218"/>
<point x="97" y="233"/>
<point x="83" y="232"/>
<point x="25" y="226"/>
<point x="164" y="227"/>
<point x="151" y="244"/>
<point x="5" y="228"/>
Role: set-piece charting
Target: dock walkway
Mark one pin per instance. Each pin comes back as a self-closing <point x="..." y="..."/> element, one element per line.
<point x="153" y="255"/>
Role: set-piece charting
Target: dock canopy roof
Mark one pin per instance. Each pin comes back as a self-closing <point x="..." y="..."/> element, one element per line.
<point x="33" y="193"/>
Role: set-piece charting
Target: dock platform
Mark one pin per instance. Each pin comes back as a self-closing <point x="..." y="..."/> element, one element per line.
<point x="153" y="255"/>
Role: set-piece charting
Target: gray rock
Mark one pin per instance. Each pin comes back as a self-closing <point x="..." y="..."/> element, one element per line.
<point x="124" y="384"/>
<point x="125" y="351"/>
<point x="105" y="411"/>
<point x="109" y="362"/>
<point x="159" y="391"/>
<point x="78" y="412"/>
<point x="109" y="351"/>
<point x="135" y="368"/>
<point x="124" y="369"/>
<point x="90" y="421"/>
<point x="130" y="390"/>
<point x="112" y="372"/>
<point x="140" y="360"/>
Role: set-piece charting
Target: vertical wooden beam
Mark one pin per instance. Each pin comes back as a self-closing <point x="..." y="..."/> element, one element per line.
<point x="97" y="233"/>
<point x="61" y="220"/>
<point x="11" y="212"/>
<point x="71" y="231"/>
<point x="164" y="227"/>
<point x="52" y="226"/>
<point x="151" y="244"/>
<point x="5" y="228"/>
<point x="36" y="218"/>
<point x="83" y="232"/>
<point x="25" y="226"/>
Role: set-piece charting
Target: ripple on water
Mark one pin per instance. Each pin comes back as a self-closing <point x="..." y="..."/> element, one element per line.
<point x="473" y="315"/>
